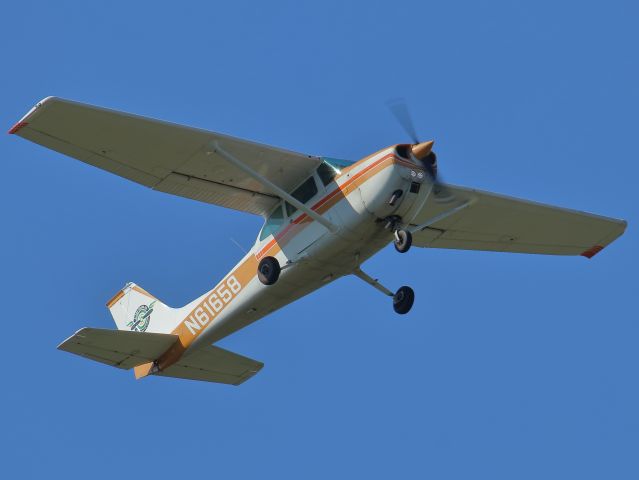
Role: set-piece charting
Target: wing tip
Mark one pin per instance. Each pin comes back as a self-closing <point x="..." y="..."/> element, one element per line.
<point x="16" y="128"/>
<point x="23" y="122"/>
<point x="592" y="251"/>
<point x="616" y="233"/>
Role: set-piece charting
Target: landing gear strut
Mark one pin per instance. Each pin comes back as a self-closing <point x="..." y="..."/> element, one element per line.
<point x="402" y="299"/>
<point x="268" y="270"/>
<point x="403" y="239"/>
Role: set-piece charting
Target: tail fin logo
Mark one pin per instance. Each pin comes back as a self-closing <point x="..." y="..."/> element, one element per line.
<point x="141" y="318"/>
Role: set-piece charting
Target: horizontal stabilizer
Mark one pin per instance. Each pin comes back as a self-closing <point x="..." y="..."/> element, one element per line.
<point x="118" y="348"/>
<point x="214" y="364"/>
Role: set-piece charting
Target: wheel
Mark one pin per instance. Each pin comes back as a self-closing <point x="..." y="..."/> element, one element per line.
<point x="268" y="271"/>
<point x="403" y="300"/>
<point x="403" y="241"/>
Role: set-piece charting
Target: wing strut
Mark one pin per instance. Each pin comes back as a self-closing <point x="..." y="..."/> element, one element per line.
<point x="274" y="188"/>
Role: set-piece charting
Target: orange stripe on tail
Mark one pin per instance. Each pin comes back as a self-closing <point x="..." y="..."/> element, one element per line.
<point x="115" y="298"/>
<point x="143" y="370"/>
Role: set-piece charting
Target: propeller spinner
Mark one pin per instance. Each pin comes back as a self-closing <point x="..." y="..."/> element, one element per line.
<point x="422" y="151"/>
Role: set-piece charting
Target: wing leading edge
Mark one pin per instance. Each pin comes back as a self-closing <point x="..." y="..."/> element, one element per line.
<point x="504" y="224"/>
<point x="164" y="156"/>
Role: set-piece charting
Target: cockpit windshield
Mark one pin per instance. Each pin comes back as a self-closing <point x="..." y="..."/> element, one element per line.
<point x="326" y="173"/>
<point x="303" y="193"/>
<point x="337" y="163"/>
<point x="273" y="223"/>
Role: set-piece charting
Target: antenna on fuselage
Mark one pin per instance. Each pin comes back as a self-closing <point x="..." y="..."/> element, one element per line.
<point x="237" y="244"/>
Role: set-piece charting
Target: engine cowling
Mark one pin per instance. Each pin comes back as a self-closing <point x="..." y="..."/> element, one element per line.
<point x="403" y="173"/>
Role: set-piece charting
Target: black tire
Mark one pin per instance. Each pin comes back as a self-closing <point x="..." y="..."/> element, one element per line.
<point x="268" y="271"/>
<point x="405" y="241"/>
<point x="403" y="300"/>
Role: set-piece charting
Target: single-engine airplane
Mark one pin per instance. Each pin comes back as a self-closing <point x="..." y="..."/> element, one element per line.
<point x="323" y="218"/>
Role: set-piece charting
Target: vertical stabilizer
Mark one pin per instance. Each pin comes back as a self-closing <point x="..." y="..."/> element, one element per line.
<point x="135" y="309"/>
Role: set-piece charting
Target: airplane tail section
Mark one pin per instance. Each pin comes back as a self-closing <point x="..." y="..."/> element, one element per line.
<point x="214" y="364"/>
<point x="118" y="348"/>
<point x="145" y="341"/>
<point x="139" y="350"/>
<point x="136" y="310"/>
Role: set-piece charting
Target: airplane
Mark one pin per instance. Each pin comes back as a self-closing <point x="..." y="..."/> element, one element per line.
<point x="324" y="217"/>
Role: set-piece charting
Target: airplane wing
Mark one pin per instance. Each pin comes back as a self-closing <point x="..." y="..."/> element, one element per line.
<point x="213" y="364"/>
<point x="505" y="224"/>
<point x="118" y="348"/>
<point x="164" y="156"/>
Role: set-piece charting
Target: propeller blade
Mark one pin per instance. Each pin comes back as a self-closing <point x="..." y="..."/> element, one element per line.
<point x="399" y="109"/>
<point x="422" y="151"/>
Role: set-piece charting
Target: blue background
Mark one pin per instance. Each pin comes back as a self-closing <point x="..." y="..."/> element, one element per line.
<point x="509" y="366"/>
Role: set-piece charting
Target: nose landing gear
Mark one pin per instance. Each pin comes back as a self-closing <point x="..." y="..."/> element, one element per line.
<point x="403" y="240"/>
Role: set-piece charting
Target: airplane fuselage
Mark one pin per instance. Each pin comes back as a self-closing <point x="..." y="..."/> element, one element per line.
<point x="357" y="201"/>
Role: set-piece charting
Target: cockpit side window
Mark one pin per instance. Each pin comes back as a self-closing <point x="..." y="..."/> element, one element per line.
<point x="273" y="223"/>
<point x="326" y="173"/>
<point x="303" y="193"/>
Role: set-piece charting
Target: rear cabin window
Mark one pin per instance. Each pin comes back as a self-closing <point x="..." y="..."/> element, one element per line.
<point x="273" y="223"/>
<point x="326" y="173"/>
<point x="303" y="193"/>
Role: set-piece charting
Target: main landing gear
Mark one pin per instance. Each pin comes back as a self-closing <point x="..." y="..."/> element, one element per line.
<point x="403" y="298"/>
<point x="268" y="270"/>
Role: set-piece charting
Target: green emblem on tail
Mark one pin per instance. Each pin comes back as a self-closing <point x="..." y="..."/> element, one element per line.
<point x="141" y="318"/>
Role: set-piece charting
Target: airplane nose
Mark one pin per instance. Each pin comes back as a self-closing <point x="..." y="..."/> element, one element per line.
<point x="421" y="150"/>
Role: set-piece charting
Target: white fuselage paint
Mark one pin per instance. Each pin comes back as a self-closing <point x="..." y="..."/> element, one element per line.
<point x="313" y="257"/>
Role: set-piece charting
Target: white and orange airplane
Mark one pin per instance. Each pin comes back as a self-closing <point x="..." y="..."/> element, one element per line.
<point x="323" y="218"/>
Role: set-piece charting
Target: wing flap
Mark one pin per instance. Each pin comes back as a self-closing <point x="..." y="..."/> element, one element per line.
<point x="216" y="193"/>
<point x="214" y="364"/>
<point x="504" y="224"/>
<point x="153" y="152"/>
<point x="118" y="348"/>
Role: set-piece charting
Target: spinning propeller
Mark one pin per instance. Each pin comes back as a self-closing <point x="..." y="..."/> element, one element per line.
<point x="421" y="151"/>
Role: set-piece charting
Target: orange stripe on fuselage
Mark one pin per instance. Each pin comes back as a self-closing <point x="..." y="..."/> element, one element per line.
<point x="243" y="274"/>
<point x="327" y="202"/>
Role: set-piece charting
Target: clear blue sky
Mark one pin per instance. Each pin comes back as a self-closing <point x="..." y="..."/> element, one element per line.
<point x="508" y="366"/>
